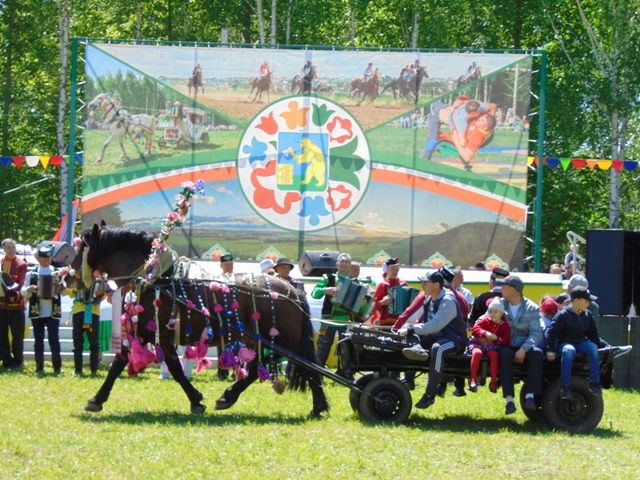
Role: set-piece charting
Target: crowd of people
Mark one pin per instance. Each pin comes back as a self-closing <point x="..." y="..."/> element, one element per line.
<point x="504" y="325"/>
<point x="39" y="290"/>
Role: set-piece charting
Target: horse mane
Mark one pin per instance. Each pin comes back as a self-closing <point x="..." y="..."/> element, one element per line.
<point x="118" y="239"/>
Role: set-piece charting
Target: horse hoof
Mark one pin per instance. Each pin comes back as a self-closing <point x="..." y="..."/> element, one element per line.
<point x="198" y="409"/>
<point x="314" y="415"/>
<point x="222" y="404"/>
<point x="92" y="406"/>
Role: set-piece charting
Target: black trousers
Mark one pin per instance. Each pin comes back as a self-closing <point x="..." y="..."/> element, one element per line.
<point x="533" y="359"/>
<point x="78" y="341"/>
<point x="52" y="326"/>
<point x="326" y="335"/>
<point x="11" y="320"/>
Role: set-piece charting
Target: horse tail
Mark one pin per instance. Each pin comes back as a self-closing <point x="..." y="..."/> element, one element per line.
<point x="297" y="374"/>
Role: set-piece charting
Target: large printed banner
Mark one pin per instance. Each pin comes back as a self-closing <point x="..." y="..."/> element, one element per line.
<point x="421" y="156"/>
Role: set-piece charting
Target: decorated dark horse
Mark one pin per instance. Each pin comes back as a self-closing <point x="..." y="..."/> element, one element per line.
<point x="262" y="308"/>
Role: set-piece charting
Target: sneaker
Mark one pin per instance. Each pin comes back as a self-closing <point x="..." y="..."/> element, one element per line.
<point x="595" y="388"/>
<point x="442" y="389"/>
<point x="493" y="387"/>
<point x="530" y="404"/>
<point x="425" y="402"/>
<point x="416" y="353"/>
<point x="566" y="393"/>
<point x="459" y="392"/>
<point x="473" y="387"/>
<point x="510" y="408"/>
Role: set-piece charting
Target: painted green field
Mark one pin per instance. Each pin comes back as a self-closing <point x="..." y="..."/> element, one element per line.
<point x="146" y="431"/>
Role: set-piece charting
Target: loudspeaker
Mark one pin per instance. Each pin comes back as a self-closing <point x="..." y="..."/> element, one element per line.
<point x="63" y="254"/>
<point x="315" y="263"/>
<point x="610" y="269"/>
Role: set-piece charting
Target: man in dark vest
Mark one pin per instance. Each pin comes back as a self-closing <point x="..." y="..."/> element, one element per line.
<point x="44" y="311"/>
<point x="441" y="329"/>
<point x="334" y="317"/>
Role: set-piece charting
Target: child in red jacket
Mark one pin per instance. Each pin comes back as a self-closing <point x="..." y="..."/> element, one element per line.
<point x="490" y="331"/>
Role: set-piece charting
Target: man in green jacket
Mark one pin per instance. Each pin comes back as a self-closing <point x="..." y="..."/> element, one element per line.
<point x="335" y="318"/>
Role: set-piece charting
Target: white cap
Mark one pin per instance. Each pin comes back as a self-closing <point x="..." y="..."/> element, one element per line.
<point x="266" y="264"/>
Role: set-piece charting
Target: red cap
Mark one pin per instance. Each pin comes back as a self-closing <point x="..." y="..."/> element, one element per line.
<point x="549" y="307"/>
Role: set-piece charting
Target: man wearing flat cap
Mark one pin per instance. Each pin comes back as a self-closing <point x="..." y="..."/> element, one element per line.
<point x="574" y="331"/>
<point x="283" y="269"/>
<point x="226" y="265"/>
<point x="495" y="290"/>
<point x="44" y="311"/>
<point x="440" y="327"/>
<point x="526" y="344"/>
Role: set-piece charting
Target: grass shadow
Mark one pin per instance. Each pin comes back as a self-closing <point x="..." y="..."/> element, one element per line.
<point x="470" y="424"/>
<point x="182" y="418"/>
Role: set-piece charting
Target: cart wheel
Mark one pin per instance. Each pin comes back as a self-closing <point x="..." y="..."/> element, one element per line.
<point x="385" y="400"/>
<point x="579" y="415"/>
<point x="204" y="138"/>
<point x="354" y="396"/>
<point x="536" y="415"/>
<point x="182" y="143"/>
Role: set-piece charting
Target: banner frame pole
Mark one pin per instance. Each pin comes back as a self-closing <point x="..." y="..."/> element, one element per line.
<point x="537" y="240"/>
<point x="71" y="148"/>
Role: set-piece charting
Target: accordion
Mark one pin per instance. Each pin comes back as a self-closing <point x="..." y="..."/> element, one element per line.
<point x="351" y="295"/>
<point x="48" y="286"/>
<point x="402" y="297"/>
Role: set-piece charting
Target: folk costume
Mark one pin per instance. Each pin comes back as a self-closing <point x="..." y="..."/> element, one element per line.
<point x="12" y="319"/>
<point x="335" y="318"/>
<point x="44" y="313"/>
<point x="85" y="318"/>
<point x="381" y="315"/>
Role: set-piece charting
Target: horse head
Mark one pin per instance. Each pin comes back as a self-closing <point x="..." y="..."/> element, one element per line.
<point x="98" y="102"/>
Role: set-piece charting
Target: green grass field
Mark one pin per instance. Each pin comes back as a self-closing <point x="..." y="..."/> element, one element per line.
<point x="146" y="431"/>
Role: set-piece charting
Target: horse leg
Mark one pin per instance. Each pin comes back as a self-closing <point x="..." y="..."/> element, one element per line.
<point x="175" y="368"/>
<point x="121" y="142"/>
<point x="320" y="403"/>
<point x="94" y="404"/>
<point x="231" y="394"/>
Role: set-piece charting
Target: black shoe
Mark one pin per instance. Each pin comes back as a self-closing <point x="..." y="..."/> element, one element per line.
<point x="410" y="384"/>
<point x="459" y="392"/>
<point x="473" y="387"/>
<point x="595" y="388"/>
<point x="510" y="408"/>
<point x="442" y="389"/>
<point x="530" y="404"/>
<point x="40" y="372"/>
<point x="566" y="393"/>
<point x="425" y="402"/>
<point x="223" y="374"/>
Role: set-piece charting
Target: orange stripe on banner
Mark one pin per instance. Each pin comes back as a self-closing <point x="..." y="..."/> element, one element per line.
<point x="154" y="185"/>
<point x="451" y="191"/>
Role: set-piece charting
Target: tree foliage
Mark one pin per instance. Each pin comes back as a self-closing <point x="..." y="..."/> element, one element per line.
<point x="593" y="80"/>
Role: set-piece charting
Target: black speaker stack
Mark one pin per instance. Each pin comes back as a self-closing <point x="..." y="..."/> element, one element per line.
<point x="315" y="263"/>
<point x="613" y="270"/>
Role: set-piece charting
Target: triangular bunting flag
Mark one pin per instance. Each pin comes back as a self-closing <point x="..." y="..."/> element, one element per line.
<point x="565" y="162"/>
<point x="578" y="162"/>
<point x="535" y="161"/>
<point x="18" y="161"/>
<point x="552" y="162"/>
<point x="6" y="161"/>
<point x="630" y="165"/>
<point x="56" y="160"/>
<point x="617" y="165"/>
<point x="32" y="160"/>
<point x="604" y="164"/>
<point x="79" y="158"/>
<point x="529" y="161"/>
<point x="592" y="164"/>
<point x="44" y="161"/>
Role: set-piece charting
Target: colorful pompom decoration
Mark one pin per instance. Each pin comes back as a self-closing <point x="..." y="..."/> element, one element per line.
<point x="273" y="332"/>
<point x="255" y="316"/>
